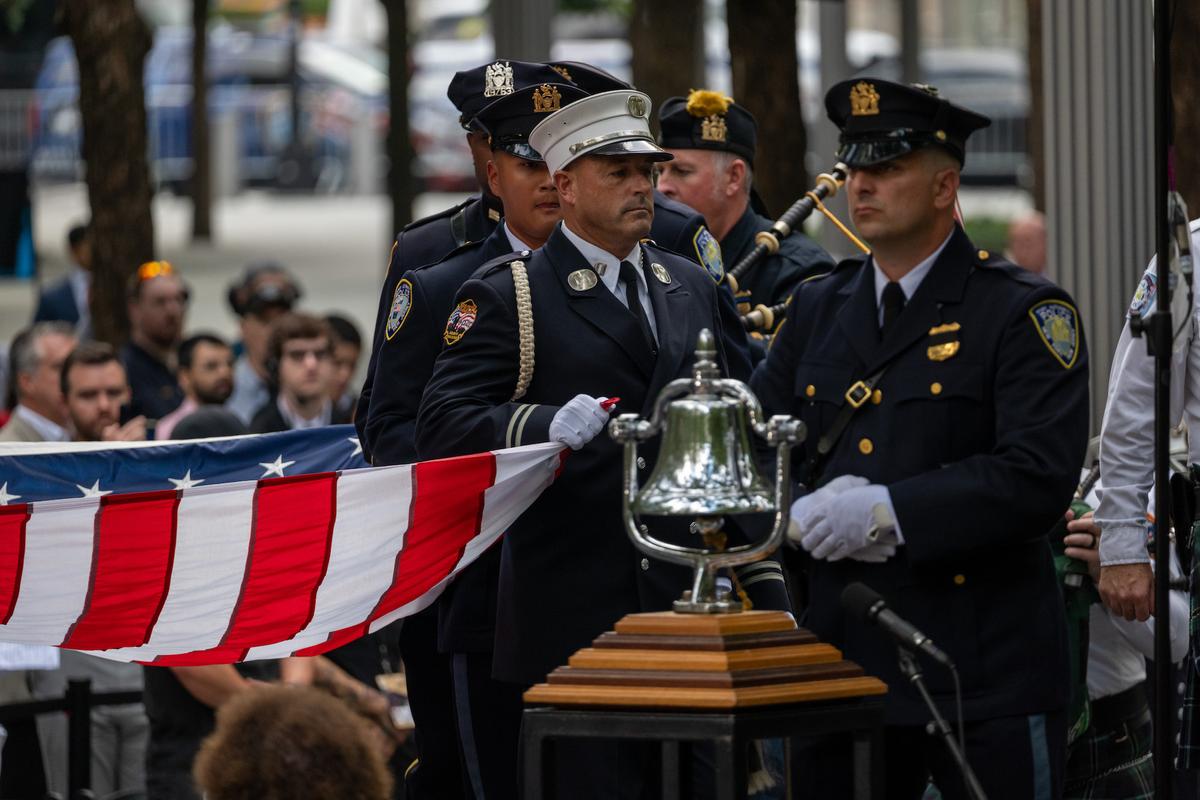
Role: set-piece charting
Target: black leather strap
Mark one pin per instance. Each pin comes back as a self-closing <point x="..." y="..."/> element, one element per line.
<point x="856" y="397"/>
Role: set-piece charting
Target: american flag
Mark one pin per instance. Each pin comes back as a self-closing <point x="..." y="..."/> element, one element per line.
<point x="240" y="548"/>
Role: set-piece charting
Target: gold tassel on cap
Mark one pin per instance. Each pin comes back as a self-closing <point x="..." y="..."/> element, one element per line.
<point x="705" y="103"/>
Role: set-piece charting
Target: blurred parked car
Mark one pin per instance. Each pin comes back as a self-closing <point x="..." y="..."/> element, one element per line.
<point x="248" y="78"/>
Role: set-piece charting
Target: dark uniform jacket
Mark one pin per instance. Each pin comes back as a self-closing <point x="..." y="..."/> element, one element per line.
<point x="154" y="391"/>
<point x="569" y="571"/>
<point x="977" y="429"/>
<point x="422" y="242"/>
<point x="412" y="341"/>
<point x="681" y="229"/>
<point x="773" y="278"/>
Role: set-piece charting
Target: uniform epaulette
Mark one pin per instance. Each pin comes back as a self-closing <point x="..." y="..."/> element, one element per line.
<point x="465" y="247"/>
<point x="498" y="264"/>
<point x="1003" y="266"/>
<point x="663" y="203"/>
<point x="444" y="214"/>
<point x="847" y="263"/>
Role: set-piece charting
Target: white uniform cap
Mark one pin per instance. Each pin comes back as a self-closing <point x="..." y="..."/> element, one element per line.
<point x="608" y="123"/>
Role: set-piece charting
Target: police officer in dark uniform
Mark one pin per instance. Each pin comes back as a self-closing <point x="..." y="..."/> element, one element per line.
<point x="946" y="393"/>
<point x="423" y="299"/>
<point x="677" y="227"/>
<point x="607" y="315"/>
<point x="440" y="772"/>
<point x="713" y="140"/>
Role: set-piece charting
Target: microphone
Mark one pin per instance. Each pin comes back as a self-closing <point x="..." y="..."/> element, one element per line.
<point x="863" y="602"/>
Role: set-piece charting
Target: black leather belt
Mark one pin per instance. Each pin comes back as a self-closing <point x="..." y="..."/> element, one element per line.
<point x="1116" y="709"/>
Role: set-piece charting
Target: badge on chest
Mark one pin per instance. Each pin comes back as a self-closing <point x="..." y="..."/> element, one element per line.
<point x="943" y="341"/>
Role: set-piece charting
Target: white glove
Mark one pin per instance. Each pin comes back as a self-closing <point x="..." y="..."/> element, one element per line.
<point x="804" y="509"/>
<point x="839" y="527"/>
<point x="578" y="422"/>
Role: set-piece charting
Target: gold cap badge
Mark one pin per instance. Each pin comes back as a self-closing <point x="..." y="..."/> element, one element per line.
<point x="546" y="99"/>
<point x="864" y="100"/>
<point x="561" y="70"/>
<point x="498" y="79"/>
<point x="714" y="129"/>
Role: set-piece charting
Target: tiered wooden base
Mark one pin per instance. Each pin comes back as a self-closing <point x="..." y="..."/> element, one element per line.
<point x="704" y="661"/>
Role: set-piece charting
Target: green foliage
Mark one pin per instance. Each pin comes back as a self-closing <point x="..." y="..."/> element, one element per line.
<point x="988" y="233"/>
<point x="619" y="7"/>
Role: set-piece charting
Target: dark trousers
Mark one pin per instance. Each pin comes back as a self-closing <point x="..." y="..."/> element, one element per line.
<point x="438" y="774"/>
<point x="489" y="721"/>
<point x="1019" y="756"/>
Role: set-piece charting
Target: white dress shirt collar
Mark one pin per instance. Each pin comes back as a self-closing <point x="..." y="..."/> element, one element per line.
<point x="911" y="280"/>
<point x="296" y="422"/>
<point x="514" y="241"/>
<point x="49" y="430"/>
<point x="608" y="266"/>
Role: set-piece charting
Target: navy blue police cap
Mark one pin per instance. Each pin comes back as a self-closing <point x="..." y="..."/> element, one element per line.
<point x="881" y="120"/>
<point x="706" y="120"/>
<point x="592" y="80"/>
<point x="509" y="119"/>
<point x="472" y="89"/>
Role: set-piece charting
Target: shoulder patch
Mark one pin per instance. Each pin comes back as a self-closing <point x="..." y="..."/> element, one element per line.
<point x="401" y="305"/>
<point x="708" y="253"/>
<point x="461" y="320"/>
<point x="443" y="214"/>
<point x="1057" y="324"/>
<point x="1144" y="297"/>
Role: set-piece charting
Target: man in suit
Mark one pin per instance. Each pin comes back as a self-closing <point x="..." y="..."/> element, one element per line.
<point x="37" y="356"/>
<point x="713" y="140"/>
<point x="66" y="299"/>
<point x="611" y="316"/>
<point x="945" y="394"/>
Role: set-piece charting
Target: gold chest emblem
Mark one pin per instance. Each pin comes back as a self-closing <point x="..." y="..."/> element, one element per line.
<point x="864" y="100"/>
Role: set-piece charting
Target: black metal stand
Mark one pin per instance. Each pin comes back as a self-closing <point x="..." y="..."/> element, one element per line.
<point x="912" y="671"/>
<point x="729" y="731"/>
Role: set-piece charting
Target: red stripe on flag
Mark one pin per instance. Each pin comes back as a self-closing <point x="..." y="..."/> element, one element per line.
<point x="132" y="554"/>
<point x="445" y="516"/>
<point x="289" y="553"/>
<point x="13" y="520"/>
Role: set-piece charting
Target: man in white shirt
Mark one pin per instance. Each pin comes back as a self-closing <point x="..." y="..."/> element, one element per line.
<point x="37" y="356"/>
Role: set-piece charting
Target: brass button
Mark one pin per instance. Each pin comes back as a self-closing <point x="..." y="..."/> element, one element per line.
<point x="984" y="255"/>
<point x="877" y="397"/>
<point x="935" y="388"/>
<point x="941" y="136"/>
<point x="960" y="579"/>
<point x="810" y="390"/>
<point x="865" y="446"/>
<point x="646" y="565"/>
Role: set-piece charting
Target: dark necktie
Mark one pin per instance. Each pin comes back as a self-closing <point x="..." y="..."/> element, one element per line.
<point x="893" y="304"/>
<point x="629" y="278"/>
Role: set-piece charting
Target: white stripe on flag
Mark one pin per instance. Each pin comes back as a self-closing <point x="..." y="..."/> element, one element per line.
<point x="367" y="534"/>
<point x="211" y="546"/>
<point x="56" y="571"/>
<point x="516" y="486"/>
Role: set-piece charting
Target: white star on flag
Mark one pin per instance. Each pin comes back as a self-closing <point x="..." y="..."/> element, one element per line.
<point x="187" y="481"/>
<point x="5" y="497"/>
<point x="276" y="467"/>
<point x="357" y="445"/>
<point x="94" y="490"/>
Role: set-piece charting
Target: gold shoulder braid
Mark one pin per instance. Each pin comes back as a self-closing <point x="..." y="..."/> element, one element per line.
<point x="524" y="327"/>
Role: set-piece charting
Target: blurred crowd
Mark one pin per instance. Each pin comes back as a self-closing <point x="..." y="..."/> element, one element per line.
<point x="288" y="368"/>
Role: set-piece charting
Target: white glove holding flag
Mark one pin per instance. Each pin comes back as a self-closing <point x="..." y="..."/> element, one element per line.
<point x="578" y="422"/>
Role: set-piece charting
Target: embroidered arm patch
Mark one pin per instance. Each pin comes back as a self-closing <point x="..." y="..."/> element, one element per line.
<point x="401" y="305"/>
<point x="1057" y="324"/>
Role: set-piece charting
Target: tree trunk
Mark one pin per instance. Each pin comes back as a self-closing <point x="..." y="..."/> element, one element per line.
<point x="667" y="37"/>
<point x="1034" y="134"/>
<point x="762" y="53"/>
<point x="111" y="42"/>
<point x="1185" y="83"/>
<point x="399" y="142"/>
<point x="201" y="162"/>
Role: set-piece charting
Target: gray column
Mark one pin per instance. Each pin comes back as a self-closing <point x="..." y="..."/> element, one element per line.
<point x="521" y="28"/>
<point x="1099" y="163"/>
<point x="822" y="135"/>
